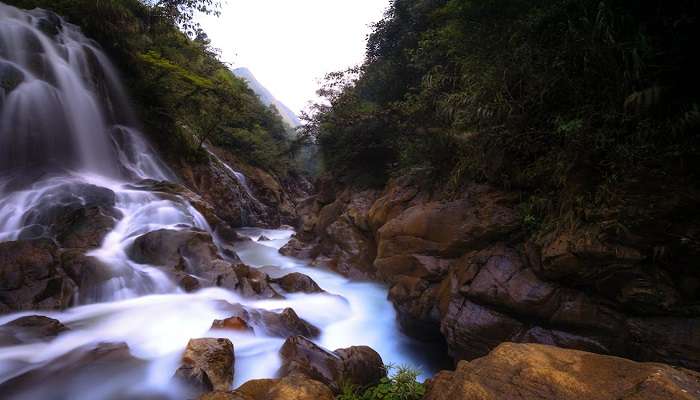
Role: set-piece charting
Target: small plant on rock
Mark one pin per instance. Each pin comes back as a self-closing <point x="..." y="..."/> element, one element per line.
<point x="402" y="384"/>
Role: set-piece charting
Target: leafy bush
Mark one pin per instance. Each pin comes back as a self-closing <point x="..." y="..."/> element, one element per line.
<point x="401" y="385"/>
<point x="518" y="93"/>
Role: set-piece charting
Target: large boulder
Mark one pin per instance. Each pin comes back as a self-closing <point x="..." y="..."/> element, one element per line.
<point x="30" y="329"/>
<point x="282" y="324"/>
<point x="76" y="215"/>
<point x="186" y="250"/>
<point x="293" y="387"/>
<point x="357" y="365"/>
<point x="297" y="282"/>
<point x="207" y="365"/>
<point x="31" y="277"/>
<point x="191" y="257"/>
<point x="530" y="371"/>
<point x="48" y="381"/>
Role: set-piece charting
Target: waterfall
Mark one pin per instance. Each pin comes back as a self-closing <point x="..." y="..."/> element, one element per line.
<point x="62" y="107"/>
<point x="69" y="141"/>
<point x="251" y="203"/>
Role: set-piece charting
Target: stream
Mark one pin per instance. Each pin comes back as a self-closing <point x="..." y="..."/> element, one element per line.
<point x="68" y="139"/>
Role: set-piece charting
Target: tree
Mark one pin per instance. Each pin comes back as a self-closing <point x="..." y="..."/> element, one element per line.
<point x="182" y="12"/>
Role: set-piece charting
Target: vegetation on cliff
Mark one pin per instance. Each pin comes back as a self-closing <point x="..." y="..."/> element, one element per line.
<point x="531" y="95"/>
<point x="185" y="95"/>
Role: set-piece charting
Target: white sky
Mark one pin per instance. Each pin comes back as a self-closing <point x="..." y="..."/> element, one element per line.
<point x="289" y="45"/>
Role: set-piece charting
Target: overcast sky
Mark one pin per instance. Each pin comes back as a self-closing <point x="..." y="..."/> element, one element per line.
<point x="290" y="44"/>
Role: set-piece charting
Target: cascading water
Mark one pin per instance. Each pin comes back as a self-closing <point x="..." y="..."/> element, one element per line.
<point x="251" y="205"/>
<point x="68" y="140"/>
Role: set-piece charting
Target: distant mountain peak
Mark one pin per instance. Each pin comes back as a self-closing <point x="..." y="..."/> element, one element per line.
<point x="266" y="96"/>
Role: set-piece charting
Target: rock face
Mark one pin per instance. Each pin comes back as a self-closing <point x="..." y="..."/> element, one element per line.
<point x="530" y="371"/>
<point x="207" y="365"/>
<point x="462" y="269"/>
<point x="31" y="277"/>
<point x="260" y="199"/>
<point x="357" y="365"/>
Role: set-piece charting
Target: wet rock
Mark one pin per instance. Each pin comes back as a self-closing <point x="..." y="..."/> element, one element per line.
<point x="224" y="396"/>
<point x="350" y="250"/>
<point x="76" y="215"/>
<point x="232" y="324"/>
<point x="417" y="303"/>
<point x="529" y="371"/>
<point x="357" y="365"/>
<point x="89" y="273"/>
<point x="10" y="77"/>
<point x="281" y="324"/>
<point x="665" y="339"/>
<point x="298" y="249"/>
<point x="263" y="238"/>
<point x="31" y="277"/>
<point x="186" y="250"/>
<point x="252" y="282"/>
<point x="30" y="329"/>
<point x="285" y="324"/>
<point x="287" y="388"/>
<point x="83" y="363"/>
<point x="207" y="365"/>
<point x="50" y="23"/>
<point x="85" y="227"/>
<point x="178" y="193"/>
<point x="189" y="283"/>
<point x="192" y="258"/>
<point x="297" y="282"/>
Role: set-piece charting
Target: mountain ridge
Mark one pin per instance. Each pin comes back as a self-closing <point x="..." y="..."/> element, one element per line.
<point x="267" y="97"/>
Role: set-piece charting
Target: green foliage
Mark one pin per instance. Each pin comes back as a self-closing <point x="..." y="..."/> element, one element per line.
<point x="185" y="95"/>
<point x="518" y="93"/>
<point x="401" y="385"/>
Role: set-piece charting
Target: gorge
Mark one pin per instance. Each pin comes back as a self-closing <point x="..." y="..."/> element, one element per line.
<point x="159" y="239"/>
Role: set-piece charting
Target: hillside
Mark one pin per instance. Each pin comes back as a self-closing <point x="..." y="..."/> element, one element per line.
<point x="266" y="97"/>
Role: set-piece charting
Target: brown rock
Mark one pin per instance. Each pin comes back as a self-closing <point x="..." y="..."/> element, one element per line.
<point x="185" y="250"/>
<point x="287" y="388"/>
<point x="207" y="365"/>
<point x="47" y="381"/>
<point x="357" y="365"/>
<point x="232" y="324"/>
<point x="529" y="371"/>
<point x="285" y="324"/>
<point x="449" y="229"/>
<point x="35" y="328"/>
<point x="76" y="215"/>
<point x="224" y="396"/>
<point x="583" y="254"/>
<point x="297" y="282"/>
<point x="298" y="249"/>
<point x="31" y="277"/>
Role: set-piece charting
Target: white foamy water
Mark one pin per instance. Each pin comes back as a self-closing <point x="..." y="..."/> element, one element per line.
<point x="157" y="328"/>
<point x="68" y="137"/>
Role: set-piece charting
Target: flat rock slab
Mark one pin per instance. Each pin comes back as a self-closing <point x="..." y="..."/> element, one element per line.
<point x="533" y="371"/>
